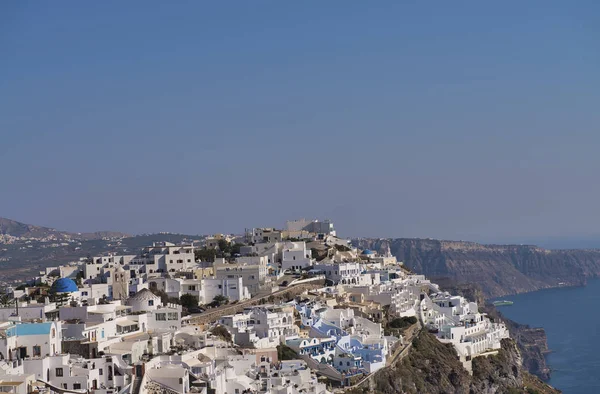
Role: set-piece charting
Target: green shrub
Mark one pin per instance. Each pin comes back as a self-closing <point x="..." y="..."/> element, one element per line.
<point x="402" y="322"/>
<point x="285" y="352"/>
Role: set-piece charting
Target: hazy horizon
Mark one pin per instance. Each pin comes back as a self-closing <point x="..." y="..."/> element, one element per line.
<point x="587" y="242"/>
<point x="460" y="121"/>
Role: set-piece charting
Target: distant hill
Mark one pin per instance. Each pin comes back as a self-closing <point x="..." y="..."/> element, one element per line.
<point x="11" y="230"/>
<point x="26" y="249"/>
<point x="498" y="269"/>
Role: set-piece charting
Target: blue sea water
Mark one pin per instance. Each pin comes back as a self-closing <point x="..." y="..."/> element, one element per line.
<point x="571" y="318"/>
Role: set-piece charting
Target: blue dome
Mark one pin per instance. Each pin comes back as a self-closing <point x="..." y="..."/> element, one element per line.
<point x="64" y="285"/>
<point x="368" y="251"/>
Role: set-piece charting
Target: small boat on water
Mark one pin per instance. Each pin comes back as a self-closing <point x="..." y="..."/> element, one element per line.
<point x="502" y="303"/>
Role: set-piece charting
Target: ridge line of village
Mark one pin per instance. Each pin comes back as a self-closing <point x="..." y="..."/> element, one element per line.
<point x="290" y="311"/>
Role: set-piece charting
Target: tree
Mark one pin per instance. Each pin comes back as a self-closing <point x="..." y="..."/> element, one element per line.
<point x="6" y="300"/>
<point x="188" y="301"/>
<point x="224" y="246"/>
<point x="222" y="332"/>
<point x="220" y="300"/>
<point x="236" y="248"/>
<point x="79" y="278"/>
<point x="205" y="254"/>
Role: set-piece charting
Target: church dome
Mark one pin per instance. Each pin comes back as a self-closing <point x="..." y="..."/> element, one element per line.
<point x="64" y="285"/>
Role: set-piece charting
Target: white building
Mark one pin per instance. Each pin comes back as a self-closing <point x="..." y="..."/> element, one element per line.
<point x="233" y="289"/>
<point x="295" y="256"/>
<point x="22" y="340"/>
<point x="458" y="321"/>
<point x="342" y="273"/>
<point x="144" y="301"/>
<point x="263" y="326"/>
<point x="294" y="227"/>
<point x="263" y="235"/>
<point x="253" y="271"/>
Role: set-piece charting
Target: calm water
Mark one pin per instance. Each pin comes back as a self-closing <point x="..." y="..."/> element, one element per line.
<point x="571" y="317"/>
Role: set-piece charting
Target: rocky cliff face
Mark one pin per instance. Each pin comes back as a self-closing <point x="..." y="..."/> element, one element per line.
<point x="499" y="269"/>
<point x="433" y="367"/>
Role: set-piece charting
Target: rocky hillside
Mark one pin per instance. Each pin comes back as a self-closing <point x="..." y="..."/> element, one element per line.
<point x="433" y="367"/>
<point x="13" y="231"/>
<point x="499" y="269"/>
<point x="532" y="341"/>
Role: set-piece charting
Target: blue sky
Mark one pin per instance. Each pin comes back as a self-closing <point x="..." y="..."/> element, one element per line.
<point x="450" y="120"/>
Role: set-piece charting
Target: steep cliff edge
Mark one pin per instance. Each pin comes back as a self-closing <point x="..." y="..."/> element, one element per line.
<point x="532" y="342"/>
<point x="433" y="367"/>
<point x="498" y="269"/>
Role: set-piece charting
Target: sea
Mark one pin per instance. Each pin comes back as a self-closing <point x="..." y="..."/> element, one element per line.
<point x="571" y="318"/>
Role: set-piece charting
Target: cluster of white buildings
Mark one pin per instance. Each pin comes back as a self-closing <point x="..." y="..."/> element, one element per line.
<point x="458" y="321"/>
<point x="110" y="325"/>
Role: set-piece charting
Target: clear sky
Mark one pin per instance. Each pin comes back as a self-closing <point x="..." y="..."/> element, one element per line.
<point x="457" y="120"/>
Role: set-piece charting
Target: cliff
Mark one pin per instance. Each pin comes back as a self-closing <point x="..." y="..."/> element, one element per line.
<point x="498" y="269"/>
<point x="433" y="367"/>
<point x="532" y="342"/>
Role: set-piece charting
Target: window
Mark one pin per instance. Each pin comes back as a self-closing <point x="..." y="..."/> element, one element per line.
<point x="192" y="288"/>
<point x="100" y="372"/>
<point x="150" y="302"/>
<point x="53" y="333"/>
<point x="76" y="386"/>
<point x="161" y="317"/>
<point x="173" y="316"/>
<point x="37" y="351"/>
<point x="59" y="372"/>
<point x="65" y="386"/>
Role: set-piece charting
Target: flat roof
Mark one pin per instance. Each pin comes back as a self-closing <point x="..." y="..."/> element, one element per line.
<point x="126" y="323"/>
<point x="33" y="328"/>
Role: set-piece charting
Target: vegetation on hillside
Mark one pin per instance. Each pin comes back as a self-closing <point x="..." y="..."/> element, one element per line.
<point x="285" y="352"/>
<point x="433" y="367"/>
<point x="188" y="301"/>
<point x="221" y="331"/>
